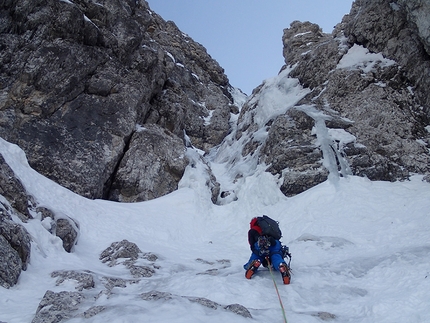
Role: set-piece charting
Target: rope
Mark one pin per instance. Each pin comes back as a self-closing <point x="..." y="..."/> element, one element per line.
<point x="276" y="287"/>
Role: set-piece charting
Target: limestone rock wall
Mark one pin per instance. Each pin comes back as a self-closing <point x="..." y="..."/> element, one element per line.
<point x="366" y="110"/>
<point x="78" y="78"/>
<point x="105" y="96"/>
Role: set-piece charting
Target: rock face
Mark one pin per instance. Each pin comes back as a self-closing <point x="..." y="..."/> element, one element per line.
<point x="12" y="190"/>
<point x="153" y="151"/>
<point x="403" y="35"/>
<point x="105" y="97"/>
<point x="78" y="79"/>
<point x="382" y="100"/>
<point x="351" y="102"/>
<point x="14" y="239"/>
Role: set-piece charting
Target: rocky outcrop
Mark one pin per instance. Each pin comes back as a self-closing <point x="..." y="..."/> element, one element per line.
<point x="13" y="191"/>
<point x="58" y="307"/>
<point x="17" y="207"/>
<point x="235" y="308"/>
<point x="14" y="239"/>
<point x="153" y="151"/>
<point x="11" y="264"/>
<point x="351" y="102"/>
<point x="417" y="12"/>
<point x="403" y="35"/>
<point x="67" y="230"/>
<point x="78" y="79"/>
<point x="383" y="96"/>
<point x="105" y="97"/>
<point x="96" y="293"/>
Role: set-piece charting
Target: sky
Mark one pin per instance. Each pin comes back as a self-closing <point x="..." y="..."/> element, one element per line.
<point x="245" y="36"/>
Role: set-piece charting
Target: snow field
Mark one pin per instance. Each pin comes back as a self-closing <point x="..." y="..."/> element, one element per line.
<point x="360" y="250"/>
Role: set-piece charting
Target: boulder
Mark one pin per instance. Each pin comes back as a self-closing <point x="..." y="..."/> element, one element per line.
<point x="13" y="191"/>
<point x="153" y="165"/>
<point x="67" y="231"/>
<point x="85" y="280"/>
<point x="10" y="266"/>
<point x="58" y="307"/>
<point x="120" y="249"/>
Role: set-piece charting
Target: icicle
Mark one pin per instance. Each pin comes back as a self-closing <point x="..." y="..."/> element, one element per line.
<point x="345" y="170"/>
<point x="332" y="152"/>
<point x="328" y="149"/>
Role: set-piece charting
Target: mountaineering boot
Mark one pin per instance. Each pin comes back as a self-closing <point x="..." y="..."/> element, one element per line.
<point x="252" y="268"/>
<point x="285" y="272"/>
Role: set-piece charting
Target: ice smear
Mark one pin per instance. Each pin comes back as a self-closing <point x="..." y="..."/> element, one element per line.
<point x="326" y="138"/>
<point x="277" y="95"/>
<point x="274" y="98"/>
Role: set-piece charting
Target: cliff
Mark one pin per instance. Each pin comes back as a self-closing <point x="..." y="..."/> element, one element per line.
<point x="110" y="101"/>
<point x="101" y="95"/>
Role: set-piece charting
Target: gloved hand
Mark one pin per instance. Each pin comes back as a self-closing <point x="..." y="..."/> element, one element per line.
<point x="263" y="246"/>
<point x="285" y="252"/>
<point x="263" y="242"/>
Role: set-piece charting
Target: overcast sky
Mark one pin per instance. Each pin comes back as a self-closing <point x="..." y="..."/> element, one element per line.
<point x="245" y="36"/>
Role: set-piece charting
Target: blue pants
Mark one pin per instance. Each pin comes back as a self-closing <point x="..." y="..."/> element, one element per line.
<point x="275" y="257"/>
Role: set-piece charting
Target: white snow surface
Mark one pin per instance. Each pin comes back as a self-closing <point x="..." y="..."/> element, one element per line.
<point x="361" y="250"/>
<point x="359" y="57"/>
<point x="278" y="94"/>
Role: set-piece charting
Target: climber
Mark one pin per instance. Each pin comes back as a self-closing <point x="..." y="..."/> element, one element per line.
<point x="266" y="249"/>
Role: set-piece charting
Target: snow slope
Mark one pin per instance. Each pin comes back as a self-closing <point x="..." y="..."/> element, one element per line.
<point x="361" y="251"/>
